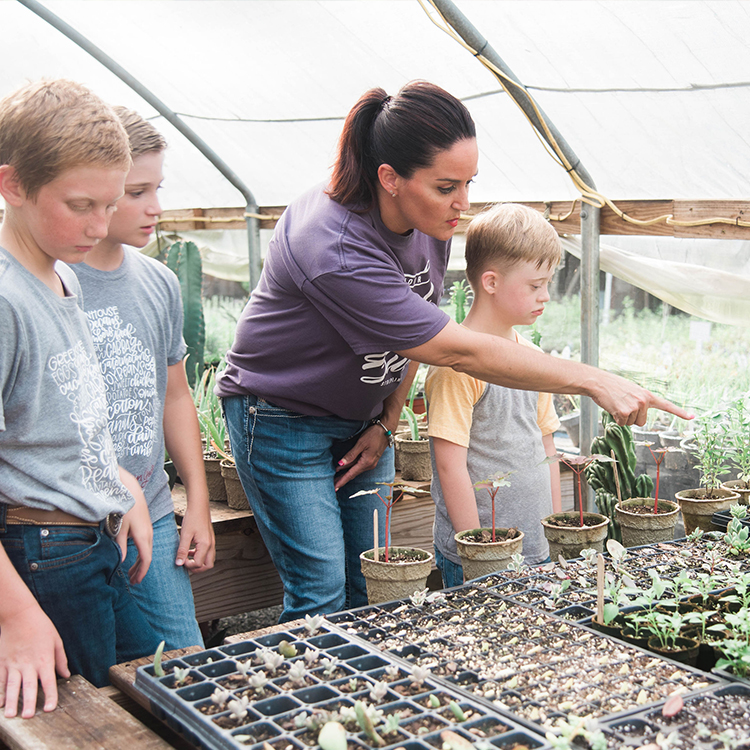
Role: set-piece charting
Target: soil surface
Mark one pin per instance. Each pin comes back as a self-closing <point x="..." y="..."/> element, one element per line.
<point x="483" y="536"/>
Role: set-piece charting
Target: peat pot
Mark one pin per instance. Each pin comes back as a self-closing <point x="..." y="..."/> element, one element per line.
<point x="697" y="510"/>
<point x="216" y="489"/>
<point x="415" y="459"/>
<point x="482" y="558"/>
<point x="236" y="498"/>
<point x="387" y="581"/>
<point x="568" y="541"/>
<point x="646" y="528"/>
<point x="740" y="487"/>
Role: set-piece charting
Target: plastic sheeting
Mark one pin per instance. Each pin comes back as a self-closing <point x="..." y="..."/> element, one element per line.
<point x="721" y="296"/>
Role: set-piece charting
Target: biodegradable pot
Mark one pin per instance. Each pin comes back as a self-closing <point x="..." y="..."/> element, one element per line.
<point x="415" y="459"/>
<point x="697" y="511"/>
<point x="236" y="498"/>
<point x="646" y="528"/>
<point x="216" y="490"/>
<point x="387" y="581"/>
<point x="482" y="558"/>
<point x="740" y="487"/>
<point x="685" y="651"/>
<point x="568" y="541"/>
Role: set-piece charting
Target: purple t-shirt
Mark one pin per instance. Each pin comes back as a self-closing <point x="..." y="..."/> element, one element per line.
<point x="339" y="295"/>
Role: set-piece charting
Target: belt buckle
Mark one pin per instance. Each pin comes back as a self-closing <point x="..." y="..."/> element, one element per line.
<point x="113" y="524"/>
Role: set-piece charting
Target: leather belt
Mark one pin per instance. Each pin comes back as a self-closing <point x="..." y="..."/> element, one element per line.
<point x="23" y="516"/>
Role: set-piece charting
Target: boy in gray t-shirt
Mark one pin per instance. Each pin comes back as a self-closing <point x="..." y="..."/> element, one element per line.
<point x="63" y="161"/>
<point x="134" y="309"/>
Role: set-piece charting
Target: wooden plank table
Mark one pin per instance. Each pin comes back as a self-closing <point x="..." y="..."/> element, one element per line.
<point x="85" y="719"/>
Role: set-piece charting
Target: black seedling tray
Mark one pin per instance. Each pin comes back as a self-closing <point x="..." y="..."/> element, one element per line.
<point x="722" y="518"/>
<point x="425" y="705"/>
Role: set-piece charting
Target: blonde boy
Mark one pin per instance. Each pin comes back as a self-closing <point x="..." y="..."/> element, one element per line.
<point x="63" y="161"/>
<point x="134" y="309"/>
<point x="477" y="429"/>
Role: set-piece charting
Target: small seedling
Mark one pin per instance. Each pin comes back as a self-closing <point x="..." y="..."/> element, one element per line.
<point x="392" y="671"/>
<point x="378" y="692"/>
<point x="457" y="711"/>
<point x="180" y="675"/>
<point x="492" y="485"/>
<point x="311" y="656"/>
<point x="517" y="562"/>
<point x="158" y="669"/>
<point x="418" y="598"/>
<point x="312" y="624"/>
<point x="258" y="681"/>
<point x="297" y="673"/>
<point x="238" y="708"/>
<point x="287" y="650"/>
<point x="220" y="696"/>
<point x="332" y="736"/>
<point x="419" y="675"/>
<point x="329" y="665"/>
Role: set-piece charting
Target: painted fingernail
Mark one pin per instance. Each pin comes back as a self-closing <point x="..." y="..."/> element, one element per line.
<point x="342" y="462"/>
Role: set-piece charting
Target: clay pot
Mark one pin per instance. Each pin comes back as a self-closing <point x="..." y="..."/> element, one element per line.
<point x="387" y="581"/>
<point x="216" y="490"/>
<point x="236" y="498"/>
<point x="568" y="541"/>
<point x="697" y="510"/>
<point x="416" y="465"/>
<point x="641" y="528"/>
<point x="483" y="558"/>
<point x="740" y="487"/>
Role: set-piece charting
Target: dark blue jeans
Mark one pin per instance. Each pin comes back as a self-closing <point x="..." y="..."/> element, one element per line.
<point x="286" y="462"/>
<point x="71" y="572"/>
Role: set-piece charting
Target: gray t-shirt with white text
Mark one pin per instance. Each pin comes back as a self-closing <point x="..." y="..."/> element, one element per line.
<point x="56" y="452"/>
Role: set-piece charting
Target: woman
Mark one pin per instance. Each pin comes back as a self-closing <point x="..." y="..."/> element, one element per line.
<point x="329" y="343"/>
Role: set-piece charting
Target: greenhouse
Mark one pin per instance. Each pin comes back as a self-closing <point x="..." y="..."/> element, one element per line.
<point x="397" y="525"/>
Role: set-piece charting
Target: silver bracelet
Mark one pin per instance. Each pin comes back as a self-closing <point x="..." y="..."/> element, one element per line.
<point x="388" y="433"/>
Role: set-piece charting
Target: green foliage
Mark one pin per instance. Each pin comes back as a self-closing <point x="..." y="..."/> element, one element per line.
<point x="221" y="314"/>
<point x="184" y="259"/>
<point x="738" y="436"/>
<point x="711" y="442"/>
<point x="210" y="416"/>
<point x="459" y="297"/>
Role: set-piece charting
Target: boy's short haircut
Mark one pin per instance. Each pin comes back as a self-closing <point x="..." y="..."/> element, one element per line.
<point x="48" y="126"/>
<point x="144" y="137"/>
<point x="507" y="234"/>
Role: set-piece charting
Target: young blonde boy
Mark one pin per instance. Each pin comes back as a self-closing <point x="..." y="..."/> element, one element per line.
<point x="134" y="308"/>
<point x="63" y="160"/>
<point x="478" y="429"/>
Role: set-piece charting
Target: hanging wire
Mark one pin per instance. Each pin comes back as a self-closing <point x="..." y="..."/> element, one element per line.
<point x="588" y="194"/>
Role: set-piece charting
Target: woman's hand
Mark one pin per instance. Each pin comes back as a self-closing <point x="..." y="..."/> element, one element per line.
<point x="363" y="456"/>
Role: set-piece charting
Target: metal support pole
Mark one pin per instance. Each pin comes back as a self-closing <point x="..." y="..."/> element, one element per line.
<point x="590" y="216"/>
<point x="253" y="237"/>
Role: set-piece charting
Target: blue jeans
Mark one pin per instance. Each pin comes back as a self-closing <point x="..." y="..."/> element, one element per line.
<point x="452" y="573"/>
<point x="286" y="462"/>
<point x="165" y="596"/>
<point x="71" y="571"/>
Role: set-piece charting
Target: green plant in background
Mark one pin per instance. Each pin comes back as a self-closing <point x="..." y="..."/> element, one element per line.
<point x="184" y="259"/>
<point x="739" y="437"/>
<point x="610" y="479"/>
<point x="221" y="315"/>
<point x="210" y="416"/>
<point x="711" y="448"/>
<point x="459" y="297"/>
<point x="407" y="410"/>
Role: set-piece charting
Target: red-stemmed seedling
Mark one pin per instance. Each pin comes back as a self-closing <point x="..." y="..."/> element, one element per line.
<point x="493" y="485"/>
<point x="577" y="464"/>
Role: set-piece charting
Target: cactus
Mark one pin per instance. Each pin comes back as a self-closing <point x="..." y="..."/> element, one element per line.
<point x="184" y="259"/>
<point x="617" y="440"/>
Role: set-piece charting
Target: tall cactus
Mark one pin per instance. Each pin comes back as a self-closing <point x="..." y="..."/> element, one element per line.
<point x="617" y="439"/>
<point x="184" y="259"/>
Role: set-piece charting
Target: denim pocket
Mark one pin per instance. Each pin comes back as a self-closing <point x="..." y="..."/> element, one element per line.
<point x="67" y="545"/>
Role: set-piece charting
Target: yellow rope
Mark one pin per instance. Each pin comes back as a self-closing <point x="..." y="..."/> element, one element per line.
<point x="218" y="219"/>
<point x="588" y="194"/>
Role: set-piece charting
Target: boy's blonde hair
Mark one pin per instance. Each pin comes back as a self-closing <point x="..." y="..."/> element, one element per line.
<point x="507" y="234"/>
<point x="144" y="137"/>
<point x="48" y="126"/>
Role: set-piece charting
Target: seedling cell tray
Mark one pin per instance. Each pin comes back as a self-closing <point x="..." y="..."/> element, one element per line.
<point x="340" y="669"/>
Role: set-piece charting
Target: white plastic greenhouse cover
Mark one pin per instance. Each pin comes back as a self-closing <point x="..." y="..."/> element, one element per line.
<point x="652" y="95"/>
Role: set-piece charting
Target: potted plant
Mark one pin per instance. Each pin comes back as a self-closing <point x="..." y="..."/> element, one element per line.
<point x="615" y="482"/>
<point x="739" y="442"/>
<point x="214" y="434"/>
<point x="569" y="533"/>
<point x="487" y="550"/>
<point x="646" y="521"/>
<point x="698" y="505"/>
<point x="235" y="493"/>
<point x="402" y="570"/>
<point x="414" y="450"/>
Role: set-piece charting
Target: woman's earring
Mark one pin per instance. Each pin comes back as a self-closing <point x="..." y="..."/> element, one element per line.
<point x="393" y="195"/>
